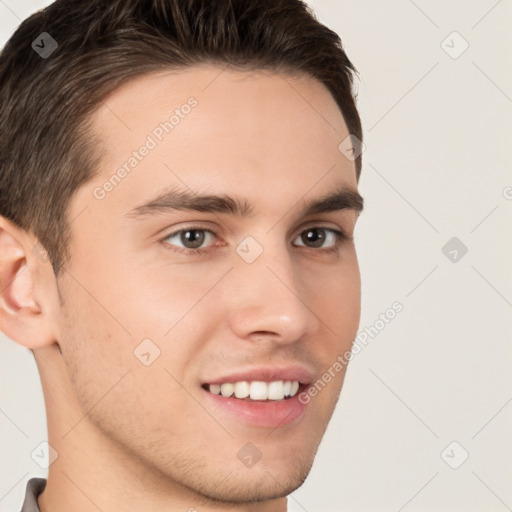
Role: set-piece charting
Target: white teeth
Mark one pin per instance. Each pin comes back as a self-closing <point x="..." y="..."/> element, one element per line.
<point x="276" y="390"/>
<point x="241" y="389"/>
<point x="215" y="389"/>
<point x="257" y="390"/>
<point x="226" y="389"/>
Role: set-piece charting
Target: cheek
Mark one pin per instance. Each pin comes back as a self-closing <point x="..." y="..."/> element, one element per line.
<point x="141" y="406"/>
<point x="96" y="341"/>
<point x="336" y="299"/>
<point x="108" y="327"/>
<point x="336" y="293"/>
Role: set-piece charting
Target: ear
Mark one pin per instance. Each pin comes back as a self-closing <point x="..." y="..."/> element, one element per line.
<point x="23" y="317"/>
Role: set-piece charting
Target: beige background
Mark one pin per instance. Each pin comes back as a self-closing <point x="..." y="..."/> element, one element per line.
<point x="436" y="166"/>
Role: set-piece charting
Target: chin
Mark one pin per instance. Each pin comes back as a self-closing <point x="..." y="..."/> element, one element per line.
<point x="238" y="484"/>
<point x="251" y="485"/>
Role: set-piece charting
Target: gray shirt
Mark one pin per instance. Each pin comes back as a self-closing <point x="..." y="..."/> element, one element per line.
<point x="35" y="487"/>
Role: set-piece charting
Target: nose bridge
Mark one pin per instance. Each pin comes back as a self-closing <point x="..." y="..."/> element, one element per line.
<point x="269" y="299"/>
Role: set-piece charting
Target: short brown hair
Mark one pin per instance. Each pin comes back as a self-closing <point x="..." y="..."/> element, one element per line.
<point x="46" y="147"/>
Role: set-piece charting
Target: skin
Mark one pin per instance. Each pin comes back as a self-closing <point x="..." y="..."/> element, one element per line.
<point x="132" y="437"/>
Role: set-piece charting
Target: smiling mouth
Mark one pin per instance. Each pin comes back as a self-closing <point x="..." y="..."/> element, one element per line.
<point x="259" y="391"/>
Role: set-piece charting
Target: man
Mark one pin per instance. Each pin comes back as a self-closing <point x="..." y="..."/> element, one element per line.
<point x="178" y="197"/>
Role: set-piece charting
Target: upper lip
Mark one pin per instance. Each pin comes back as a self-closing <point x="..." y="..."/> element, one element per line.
<point x="266" y="374"/>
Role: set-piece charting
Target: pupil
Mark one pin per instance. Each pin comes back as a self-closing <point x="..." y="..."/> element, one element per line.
<point x="194" y="237"/>
<point x="315" y="236"/>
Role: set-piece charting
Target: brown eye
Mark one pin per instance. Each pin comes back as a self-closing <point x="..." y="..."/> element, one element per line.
<point x="190" y="238"/>
<point x="317" y="237"/>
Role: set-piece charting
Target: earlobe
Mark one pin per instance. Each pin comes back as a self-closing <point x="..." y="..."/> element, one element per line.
<point x="21" y="317"/>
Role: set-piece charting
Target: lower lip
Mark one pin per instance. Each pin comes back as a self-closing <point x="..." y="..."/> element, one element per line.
<point x="268" y="414"/>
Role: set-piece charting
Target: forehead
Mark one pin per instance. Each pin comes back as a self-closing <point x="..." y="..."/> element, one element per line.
<point x="209" y="126"/>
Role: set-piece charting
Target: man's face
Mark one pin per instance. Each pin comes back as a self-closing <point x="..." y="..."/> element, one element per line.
<point x="273" y="296"/>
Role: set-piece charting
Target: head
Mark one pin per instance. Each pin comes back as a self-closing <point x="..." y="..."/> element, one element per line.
<point x="175" y="214"/>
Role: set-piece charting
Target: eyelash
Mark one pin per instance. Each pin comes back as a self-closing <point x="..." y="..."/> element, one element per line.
<point x="340" y="238"/>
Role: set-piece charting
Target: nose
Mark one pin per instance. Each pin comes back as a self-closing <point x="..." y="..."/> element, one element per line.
<point x="271" y="302"/>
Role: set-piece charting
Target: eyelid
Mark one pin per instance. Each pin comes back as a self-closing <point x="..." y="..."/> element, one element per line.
<point x="308" y="225"/>
<point x="321" y="224"/>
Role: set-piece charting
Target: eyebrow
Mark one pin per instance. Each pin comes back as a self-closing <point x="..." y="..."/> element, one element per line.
<point x="339" y="199"/>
